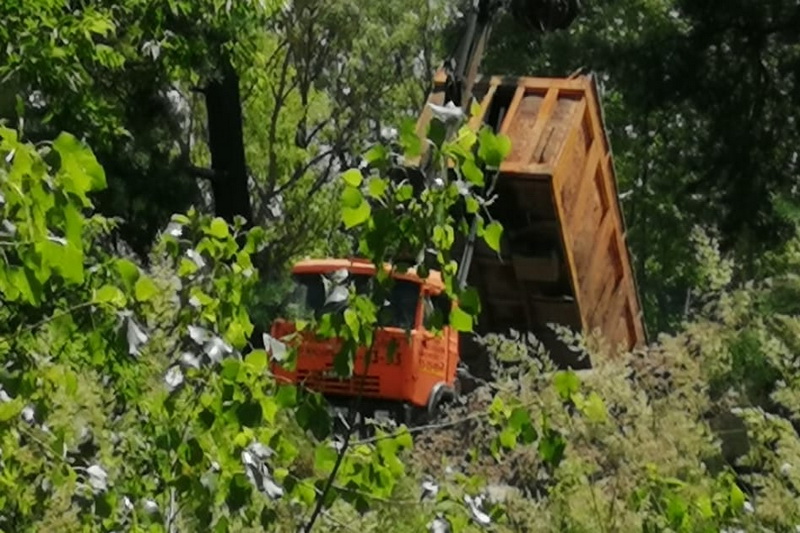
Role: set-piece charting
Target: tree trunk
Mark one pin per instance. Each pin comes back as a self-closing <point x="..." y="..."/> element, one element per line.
<point x="226" y="143"/>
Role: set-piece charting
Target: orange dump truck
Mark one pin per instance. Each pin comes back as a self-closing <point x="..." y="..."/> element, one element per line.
<point x="563" y="256"/>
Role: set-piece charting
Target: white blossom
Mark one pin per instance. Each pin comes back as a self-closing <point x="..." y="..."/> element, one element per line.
<point x="98" y="477"/>
<point x="174" y="229"/>
<point x="448" y="113"/>
<point x="475" y="507"/>
<point x="258" y="472"/>
<point x="136" y="337"/>
<point x="199" y="335"/>
<point x="429" y="489"/>
<point x="216" y="349"/>
<point x="195" y="256"/>
<point x="28" y="414"/>
<point x="173" y="378"/>
<point x="191" y="360"/>
<point x="150" y="506"/>
<point x="276" y="348"/>
<point x="127" y="504"/>
<point x="439" y="525"/>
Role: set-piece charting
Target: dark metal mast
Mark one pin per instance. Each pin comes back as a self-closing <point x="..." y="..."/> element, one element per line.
<point x="462" y="67"/>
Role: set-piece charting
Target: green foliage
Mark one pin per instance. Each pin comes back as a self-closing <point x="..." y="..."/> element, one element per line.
<point x="130" y="397"/>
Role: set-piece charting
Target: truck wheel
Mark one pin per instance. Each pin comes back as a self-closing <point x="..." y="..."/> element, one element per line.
<point x="440" y="395"/>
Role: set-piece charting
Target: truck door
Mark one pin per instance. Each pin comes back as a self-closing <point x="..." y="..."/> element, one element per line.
<point x="434" y="353"/>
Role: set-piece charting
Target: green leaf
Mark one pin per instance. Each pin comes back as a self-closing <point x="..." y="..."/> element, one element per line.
<point x="676" y="510"/>
<point x="460" y="321"/>
<point x="82" y="170"/>
<point x="257" y="361"/>
<point x="111" y="295"/>
<point x="230" y="369"/>
<point x="472" y="173"/>
<point x="466" y="138"/>
<point x="377" y="187"/>
<point x="377" y="156"/>
<point x="128" y="271"/>
<point x="353" y="217"/>
<point x="409" y="140"/>
<point x="218" y="228"/>
<point x="24" y="281"/>
<point x="508" y="438"/>
<point x="737" y="498"/>
<point x="73" y="225"/>
<point x="404" y="193"/>
<point x="324" y="458"/>
<point x="595" y="408"/>
<point x="493" y="148"/>
<point x="404" y="439"/>
<point x="145" y="289"/>
<point x="566" y="383"/>
<point x="492" y="235"/>
<point x="705" y="507"/>
<point x="352" y="321"/>
<point x="470" y="301"/>
<point x="521" y="420"/>
<point x="472" y="205"/>
<point x="238" y="332"/>
<point x="353" y="177"/>
<point x="67" y="260"/>
<point x="286" y="396"/>
<point x="551" y="448"/>
<point x="9" y="410"/>
<point x="437" y="132"/>
<point x="351" y="197"/>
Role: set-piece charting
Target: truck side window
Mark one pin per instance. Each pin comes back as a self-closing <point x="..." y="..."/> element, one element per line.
<point x="433" y="305"/>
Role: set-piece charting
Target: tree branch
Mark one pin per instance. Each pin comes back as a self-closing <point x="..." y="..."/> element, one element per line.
<point x="302" y="169"/>
<point x="203" y="173"/>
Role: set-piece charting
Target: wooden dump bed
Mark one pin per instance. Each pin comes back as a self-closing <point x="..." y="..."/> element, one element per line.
<point x="563" y="256"/>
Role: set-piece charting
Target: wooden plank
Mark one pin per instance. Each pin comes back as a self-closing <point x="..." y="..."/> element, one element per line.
<point x="569" y="255"/>
<point x="568" y="168"/>
<point x="523" y="170"/>
<point x="513" y="107"/>
<point x="592" y="163"/>
<point x="425" y="117"/>
<point x="476" y="121"/>
<point x="630" y="284"/>
<point x="606" y="313"/>
<point x="576" y="85"/>
<point x="595" y="267"/>
<point x="584" y="198"/>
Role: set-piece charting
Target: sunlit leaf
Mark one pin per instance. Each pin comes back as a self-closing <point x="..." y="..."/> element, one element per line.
<point x="353" y="177"/>
<point x="492" y="234"/>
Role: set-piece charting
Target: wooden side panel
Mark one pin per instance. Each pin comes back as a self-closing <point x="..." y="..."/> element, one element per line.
<point x="605" y="273"/>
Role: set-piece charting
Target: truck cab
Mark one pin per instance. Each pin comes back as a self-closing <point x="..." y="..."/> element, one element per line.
<point x="412" y="369"/>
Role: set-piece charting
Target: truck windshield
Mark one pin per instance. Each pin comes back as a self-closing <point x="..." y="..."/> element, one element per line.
<point x="310" y="298"/>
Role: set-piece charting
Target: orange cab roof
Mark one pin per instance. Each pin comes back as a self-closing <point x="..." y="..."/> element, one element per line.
<point x="362" y="266"/>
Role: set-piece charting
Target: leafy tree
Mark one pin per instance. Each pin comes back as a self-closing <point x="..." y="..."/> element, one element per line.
<point x="139" y="81"/>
